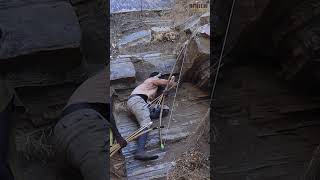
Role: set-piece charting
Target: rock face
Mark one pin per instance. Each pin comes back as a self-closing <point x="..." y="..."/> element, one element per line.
<point x="287" y="30"/>
<point x="39" y="28"/>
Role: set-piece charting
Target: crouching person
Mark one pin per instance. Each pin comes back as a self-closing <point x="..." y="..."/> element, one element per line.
<point x="138" y="104"/>
<point x="82" y="134"/>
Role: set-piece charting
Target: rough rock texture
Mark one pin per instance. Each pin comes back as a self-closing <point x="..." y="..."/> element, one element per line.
<point x="273" y="127"/>
<point x="286" y="30"/>
<point x="25" y="30"/>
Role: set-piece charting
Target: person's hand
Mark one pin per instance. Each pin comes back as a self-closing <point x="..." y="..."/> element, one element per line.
<point x="123" y="143"/>
<point x="172" y="83"/>
<point x="165" y="92"/>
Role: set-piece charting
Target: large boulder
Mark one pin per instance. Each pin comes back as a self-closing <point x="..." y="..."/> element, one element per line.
<point x="122" y="70"/>
<point x="196" y="67"/>
<point x="154" y="62"/>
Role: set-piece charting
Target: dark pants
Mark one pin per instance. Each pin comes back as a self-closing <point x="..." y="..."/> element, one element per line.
<point x="82" y="140"/>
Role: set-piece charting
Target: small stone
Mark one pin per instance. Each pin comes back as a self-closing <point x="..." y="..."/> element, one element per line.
<point x="204" y="30"/>
<point x="205" y="19"/>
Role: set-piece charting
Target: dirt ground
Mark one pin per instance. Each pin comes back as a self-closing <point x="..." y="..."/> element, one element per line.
<point x="194" y="163"/>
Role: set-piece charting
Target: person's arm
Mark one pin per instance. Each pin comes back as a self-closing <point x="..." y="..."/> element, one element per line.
<point x="164" y="82"/>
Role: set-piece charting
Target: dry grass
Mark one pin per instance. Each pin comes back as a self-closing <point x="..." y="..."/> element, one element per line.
<point x="36" y="145"/>
<point x="192" y="165"/>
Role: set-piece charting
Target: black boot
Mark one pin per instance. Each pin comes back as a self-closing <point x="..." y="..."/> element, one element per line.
<point x="141" y="154"/>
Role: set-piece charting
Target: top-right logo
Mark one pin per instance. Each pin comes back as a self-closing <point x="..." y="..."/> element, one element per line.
<point x="199" y="7"/>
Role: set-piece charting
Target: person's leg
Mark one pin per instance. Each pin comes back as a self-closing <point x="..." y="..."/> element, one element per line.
<point x="82" y="139"/>
<point x="5" y="128"/>
<point x="141" y="111"/>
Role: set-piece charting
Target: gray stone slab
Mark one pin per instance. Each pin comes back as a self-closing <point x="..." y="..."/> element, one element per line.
<point x="135" y="38"/>
<point x="122" y="70"/>
<point x="38" y="28"/>
<point x="118" y="6"/>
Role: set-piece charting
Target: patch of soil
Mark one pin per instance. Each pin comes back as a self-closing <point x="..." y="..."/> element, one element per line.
<point x="194" y="164"/>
